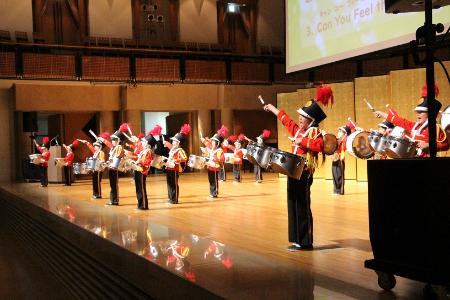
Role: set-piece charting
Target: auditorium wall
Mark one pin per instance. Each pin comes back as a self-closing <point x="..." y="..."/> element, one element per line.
<point x="7" y="156"/>
<point x="198" y="21"/>
<point x="270" y="23"/>
<point x="16" y="15"/>
<point x="110" y="19"/>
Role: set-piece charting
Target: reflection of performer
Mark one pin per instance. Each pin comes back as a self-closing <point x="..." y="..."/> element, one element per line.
<point x="308" y="142"/>
<point x="45" y="154"/>
<point x="116" y="153"/>
<point x="68" y="162"/>
<point x="175" y="163"/>
<point x="216" y="156"/>
<point x="338" y="165"/>
<point x="99" y="155"/>
<point x="419" y="129"/>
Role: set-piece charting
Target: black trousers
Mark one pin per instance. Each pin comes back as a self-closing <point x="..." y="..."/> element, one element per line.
<point x="141" y="189"/>
<point x="213" y="183"/>
<point x="338" y="170"/>
<point x="257" y="171"/>
<point x="300" y="219"/>
<point x="172" y="185"/>
<point x="43" y="171"/>
<point x="114" y="184"/>
<point x="97" y="184"/>
<point x="222" y="172"/>
<point x="237" y="172"/>
<point x="67" y="175"/>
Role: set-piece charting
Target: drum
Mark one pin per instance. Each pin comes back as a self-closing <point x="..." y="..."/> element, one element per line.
<point x="114" y="163"/>
<point x="91" y="163"/>
<point x="125" y="165"/>
<point x="398" y="132"/>
<point x="196" y="162"/>
<point x="244" y="153"/>
<point x="287" y="163"/>
<point x="377" y="141"/>
<point x="250" y="153"/>
<point x="445" y="119"/>
<point x="80" y="169"/>
<point x="36" y="159"/>
<point x="358" y="145"/>
<point x="263" y="155"/>
<point x="330" y="143"/>
<point x="400" y="148"/>
<point x="229" y="158"/>
<point x="59" y="162"/>
<point x="158" y="161"/>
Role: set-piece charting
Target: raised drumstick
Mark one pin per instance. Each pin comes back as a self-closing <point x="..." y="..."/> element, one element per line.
<point x="369" y="105"/>
<point x="261" y="99"/>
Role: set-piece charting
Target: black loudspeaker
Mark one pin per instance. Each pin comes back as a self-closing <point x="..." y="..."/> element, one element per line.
<point x="30" y="122"/>
<point x="402" y="6"/>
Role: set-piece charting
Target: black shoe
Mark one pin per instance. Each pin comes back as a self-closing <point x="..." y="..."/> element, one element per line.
<point x="111" y="204"/>
<point x="212" y="196"/>
<point x="96" y="197"/>
<point x="295" y="247"/>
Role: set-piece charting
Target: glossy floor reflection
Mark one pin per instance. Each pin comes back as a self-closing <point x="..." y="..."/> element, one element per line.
<point x="235" y="245"/>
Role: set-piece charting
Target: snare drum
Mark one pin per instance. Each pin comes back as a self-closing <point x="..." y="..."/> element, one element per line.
<point x="158" y="161"/>
<point x="287" y="163"/>
<point x="229" y="158"/>
<point x="250" y="153"/>
<point x="264" y="155"/>
<point x="36" y="159"/>
<point x="125" y="165"/>
<point x="114" y="163"/>
<point x="378" y="142"/>
<point x="445" y="119"/>
<point x="91" y="163"/>
<point x="196" y="162"/>
<point x="80" y="169"/>
<point x="59" y="162"/>
<point x="358" y="145"/>
<point x="400" y="148"/>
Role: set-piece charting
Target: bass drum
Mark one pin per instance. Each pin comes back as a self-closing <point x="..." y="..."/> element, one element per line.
<point x="330" y="143"/>
<point x="358" y="145"/>
<point x="287" y="163"/>
<point x="158" y="161"/>
<point x="400" y="148"/>
<point x="445" y="119"/>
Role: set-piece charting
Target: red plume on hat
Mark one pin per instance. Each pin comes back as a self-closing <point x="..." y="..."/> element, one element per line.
<point x="140" y="135"/>
<point x="45" y="140"/>
<point x="266" y="133"/>
<point x="223" y="131"/>
<point x="156" y="130"/>
<point x="185" y="129"/>
<point x="324" y="94"/>
<point x="124" y="127"/>
<point x="232" y="139"/>
<point x="241" y="137"/>
<point x="350" y="125"/>
<point x="75" y="143"/>
<point x="105" y="135"/>
<point x="425" y="90"/>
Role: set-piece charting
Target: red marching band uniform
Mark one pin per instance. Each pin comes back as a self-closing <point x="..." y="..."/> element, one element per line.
<point x="45" y="156"/>
<point x="216" y="157"/>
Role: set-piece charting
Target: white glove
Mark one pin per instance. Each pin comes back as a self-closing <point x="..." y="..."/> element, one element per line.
<point x="212" y="163"/>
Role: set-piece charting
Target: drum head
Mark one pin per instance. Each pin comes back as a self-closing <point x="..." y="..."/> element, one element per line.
<point x="330" y="143"/>
<point x="361" y="146"/>
<point x="445" y="119"/>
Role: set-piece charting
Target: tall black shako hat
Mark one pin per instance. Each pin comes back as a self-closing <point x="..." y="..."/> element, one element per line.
<point x="150" y="137"/>
<point x="220" y="135"/>
<point x="121" y="133"/>
<point x="312" y="109"/>
<point x="184" y="131"/>
<point x="423" y="101"/>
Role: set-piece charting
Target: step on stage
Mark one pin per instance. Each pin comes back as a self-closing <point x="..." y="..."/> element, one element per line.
<point x="233" y="246"/>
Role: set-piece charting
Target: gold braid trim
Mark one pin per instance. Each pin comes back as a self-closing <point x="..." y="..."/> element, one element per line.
<point x="312" y="159"/>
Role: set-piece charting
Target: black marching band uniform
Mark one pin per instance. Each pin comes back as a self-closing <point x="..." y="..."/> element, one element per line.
<point x="175" y="163"/>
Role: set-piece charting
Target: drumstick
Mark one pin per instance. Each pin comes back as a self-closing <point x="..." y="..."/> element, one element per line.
<point x="93" y="134"/>
<point x="261" y="99"/>
<point x="353" y="123"/>
<point x="368" y="104"/>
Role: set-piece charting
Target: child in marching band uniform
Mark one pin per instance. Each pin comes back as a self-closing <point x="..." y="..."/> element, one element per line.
<point x="238" y="155"/>
<point x="115" y="154"/>
<point x="68" y="162"/>
<point x="99" y="155"/>
<point x="143" y="161"/>
<point x="215" y="157"/>
<point x="175" y="163"/>
<point x="45" y="156"/>
<point x="338" y="164"/>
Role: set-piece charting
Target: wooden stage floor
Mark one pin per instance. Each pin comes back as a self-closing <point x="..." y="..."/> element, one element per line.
<point x="248" y="222"/>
